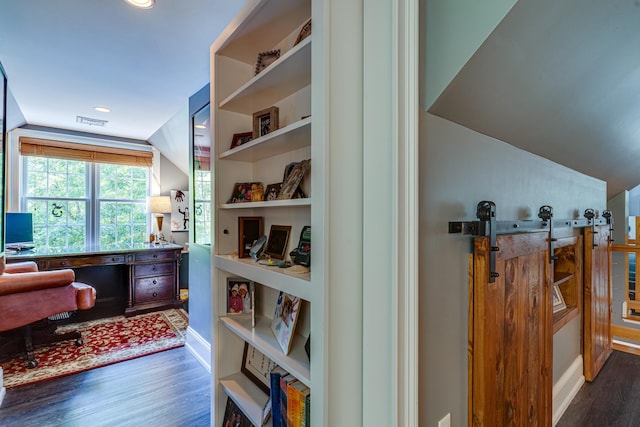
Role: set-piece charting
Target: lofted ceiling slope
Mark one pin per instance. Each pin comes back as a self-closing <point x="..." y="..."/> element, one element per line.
<point x="65" y="57"/>
<point x="560" y="79"/>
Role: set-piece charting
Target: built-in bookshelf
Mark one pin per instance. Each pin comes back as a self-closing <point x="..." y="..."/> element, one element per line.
<point x="237" y="93"/>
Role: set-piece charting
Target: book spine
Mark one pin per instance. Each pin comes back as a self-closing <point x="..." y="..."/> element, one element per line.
<point x="304" y="410"/>
<point x="283" y="401"/>
<point x="276" y="411"/>
<point x="293" y="409"/>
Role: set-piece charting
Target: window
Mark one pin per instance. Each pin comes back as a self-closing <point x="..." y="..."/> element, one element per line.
<point x="79" y="203"/>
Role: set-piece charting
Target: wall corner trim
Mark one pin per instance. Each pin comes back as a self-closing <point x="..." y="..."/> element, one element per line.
<point x="199" y="347"/>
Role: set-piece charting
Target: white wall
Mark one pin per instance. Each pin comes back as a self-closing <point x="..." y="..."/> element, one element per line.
<point x="172" y="178"/>
<point x="459" y="168"/>
<point x="172" y="139"/>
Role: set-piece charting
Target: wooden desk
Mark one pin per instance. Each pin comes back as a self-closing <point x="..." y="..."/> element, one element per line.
<point x="129" y="280"/>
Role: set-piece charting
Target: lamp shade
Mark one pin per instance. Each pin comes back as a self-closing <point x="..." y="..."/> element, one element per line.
<point x="159" y="204"/>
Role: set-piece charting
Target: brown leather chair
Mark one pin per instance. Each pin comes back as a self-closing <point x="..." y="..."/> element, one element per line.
<point x="28" y="297"/>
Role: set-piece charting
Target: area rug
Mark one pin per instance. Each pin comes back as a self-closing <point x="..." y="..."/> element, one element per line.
<point x="106" y="341"/>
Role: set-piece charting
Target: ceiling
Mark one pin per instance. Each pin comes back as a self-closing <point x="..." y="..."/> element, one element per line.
<point x="65" y="57"/>
<point x="560" y="79"/>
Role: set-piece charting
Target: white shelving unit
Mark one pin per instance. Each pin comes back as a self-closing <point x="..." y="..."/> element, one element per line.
<point x="236" y="94"/>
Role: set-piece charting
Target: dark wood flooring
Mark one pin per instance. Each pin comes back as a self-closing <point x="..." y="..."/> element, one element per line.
<point x="170" y="389"/>
<point x="613" y="399"/>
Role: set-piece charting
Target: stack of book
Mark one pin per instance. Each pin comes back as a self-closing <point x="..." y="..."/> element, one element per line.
<point x="290" y="400"/>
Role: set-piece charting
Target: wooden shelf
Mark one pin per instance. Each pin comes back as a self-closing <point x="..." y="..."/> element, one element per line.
<point x="273" y="277"/>
<point x="290" y="203"/>
<point x="249" y="397"/>
<point x="559" y="278"/>
<point x="290" y="73"/>
<point x="262" y="338"/>
<point x="295" y="136"/>
<point x="562" y="317"/>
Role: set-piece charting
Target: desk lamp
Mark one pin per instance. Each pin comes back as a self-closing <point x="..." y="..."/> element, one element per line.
<point x="159" y="205"/>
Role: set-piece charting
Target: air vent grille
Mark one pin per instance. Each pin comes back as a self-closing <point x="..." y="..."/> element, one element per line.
<point x="91" y="122"/>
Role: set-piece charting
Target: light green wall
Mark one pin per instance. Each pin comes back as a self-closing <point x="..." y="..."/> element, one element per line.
<point x="455" y="29"/>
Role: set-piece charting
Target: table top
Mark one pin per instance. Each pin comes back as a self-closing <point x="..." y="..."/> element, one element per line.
<point x="88" y="250"/>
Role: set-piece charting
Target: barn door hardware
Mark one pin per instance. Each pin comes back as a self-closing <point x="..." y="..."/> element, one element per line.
<point x="608" y="216"/>
<point x="590" y="214"/>
<point x="545" y="213"/>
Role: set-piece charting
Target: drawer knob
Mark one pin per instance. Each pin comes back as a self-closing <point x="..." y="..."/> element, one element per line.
<point x="113" y="259"/>
<point x="155" y="282"/>
<point x="63" y="263"/>
<point x="154" y="268"/>
<point x="155" y="255"/>
<point x="155" y="294"/>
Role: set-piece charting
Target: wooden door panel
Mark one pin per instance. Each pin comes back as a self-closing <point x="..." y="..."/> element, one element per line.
<point x="511" y="344"/>
<point x="597" y="301"/>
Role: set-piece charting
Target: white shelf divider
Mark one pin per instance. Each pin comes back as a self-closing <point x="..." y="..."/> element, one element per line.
<point x="287" y="75"/>
<point x="274" y="277"/>
<point x="249" y="398"/>
<point x="289" y="203"/>
<point x="292" y="137"/>
<point x="262" y="338"/>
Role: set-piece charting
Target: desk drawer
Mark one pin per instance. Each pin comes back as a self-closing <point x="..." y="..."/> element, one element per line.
<point x="154" y="255"/>
<point x="151" y="289"/>
<point x="84" y="261"/>
<point x="153" y="269"/>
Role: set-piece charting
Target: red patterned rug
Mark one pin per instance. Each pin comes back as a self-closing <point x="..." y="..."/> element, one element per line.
<point x="106" y="341"/>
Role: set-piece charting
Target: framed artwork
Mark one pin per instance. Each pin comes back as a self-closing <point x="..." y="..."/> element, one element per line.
<point x="265" y="59"/>
<point x="179" y="210"/>
<point x="272" y="191"/>
<point x="558" y="300"/>
<point x="305" y="32"/>
<point x="250" y="229"/>
<point x="244" y="192"/>
<point x="233" y="416"/>
<point x="257" y="367"/>
<point x="293" y="178"/>
<point x="265" y="121"/>
<point x="284" y="320"/>
<point x="240" y="138"/>
<point x="239" y="296"/>
<point x="278" y="241"/>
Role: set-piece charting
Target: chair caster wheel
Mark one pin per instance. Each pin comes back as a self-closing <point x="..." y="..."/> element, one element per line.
<point x="30" y="364"/>
<point x="79" y="342"/>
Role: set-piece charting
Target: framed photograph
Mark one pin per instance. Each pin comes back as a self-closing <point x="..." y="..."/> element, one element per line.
<point x="272" y="191"/>
<point x="265" y="121"/>
<point x="305" y="32"/>
<point x="257" y="367"/>
<point x="179" y="210"/>
<point x="239" y="295"/>
<point x="240" y="138"/>
<point x="278" y="241"/>
<point x="293" y="178"/>
<point x="249" y="230"/>
<point x="284" y="320"/>
<point x="233" y="416"/>
<point x="243" y="192"/>
<point x="558" y="300"/>
<point x="265" y="59"/>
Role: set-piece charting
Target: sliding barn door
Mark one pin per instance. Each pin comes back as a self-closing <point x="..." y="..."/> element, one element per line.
<point x="511" y="340"/>
<point x="597" y="300"/>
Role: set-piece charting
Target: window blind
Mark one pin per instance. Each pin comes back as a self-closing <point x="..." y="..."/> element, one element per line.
<point x="83" y="152"/>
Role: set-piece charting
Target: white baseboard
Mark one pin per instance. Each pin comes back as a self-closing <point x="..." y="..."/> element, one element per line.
<point x="566" y="388"/>
<point x="199" y="347"/>
<point x="3" y="391"/>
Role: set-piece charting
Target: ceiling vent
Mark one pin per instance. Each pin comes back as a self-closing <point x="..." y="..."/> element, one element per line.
<point x="91" y="122"/>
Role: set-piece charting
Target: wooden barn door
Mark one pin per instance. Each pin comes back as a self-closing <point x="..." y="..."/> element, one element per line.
<point x="511" y="337"/>
<point x="597" y="300"/>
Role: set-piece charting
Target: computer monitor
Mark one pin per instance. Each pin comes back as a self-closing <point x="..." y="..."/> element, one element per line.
<point x="18" y="231"/>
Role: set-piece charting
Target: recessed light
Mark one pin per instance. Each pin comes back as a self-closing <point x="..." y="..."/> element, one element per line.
<point x="201" y="126"/>
<point x="142" y="4"/>
<point x="102" y="109"/>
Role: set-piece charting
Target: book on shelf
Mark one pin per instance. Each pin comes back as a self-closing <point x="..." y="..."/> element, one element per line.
<point x="305" y="407"/>
<point x="285" y="382"/>
<point x="276" y="410"/>
<point x="295" y="394"/>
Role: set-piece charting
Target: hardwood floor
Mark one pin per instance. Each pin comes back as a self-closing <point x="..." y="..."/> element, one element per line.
<point x="170" y="389"/>
<point x="612" y="399"/>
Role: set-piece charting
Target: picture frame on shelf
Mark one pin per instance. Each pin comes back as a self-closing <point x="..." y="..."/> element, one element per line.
<point x="272" y="191"/>
<point x="305" y="32"/>
<point x="239" y="296"/>
<point x="257" y="367"/>
<point x="558" y="300"/>
<point x="250" y="228"/>
<point x="293" y="178"/>
<point x="243" y="192"/>
<point x="265" y="59"/>
<point x="233" y="416"/>
<point x="278" y="241"/>
<point x="241" y="138"/>
<point x="285" y="319"/>
<point x="265" y="121"/>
